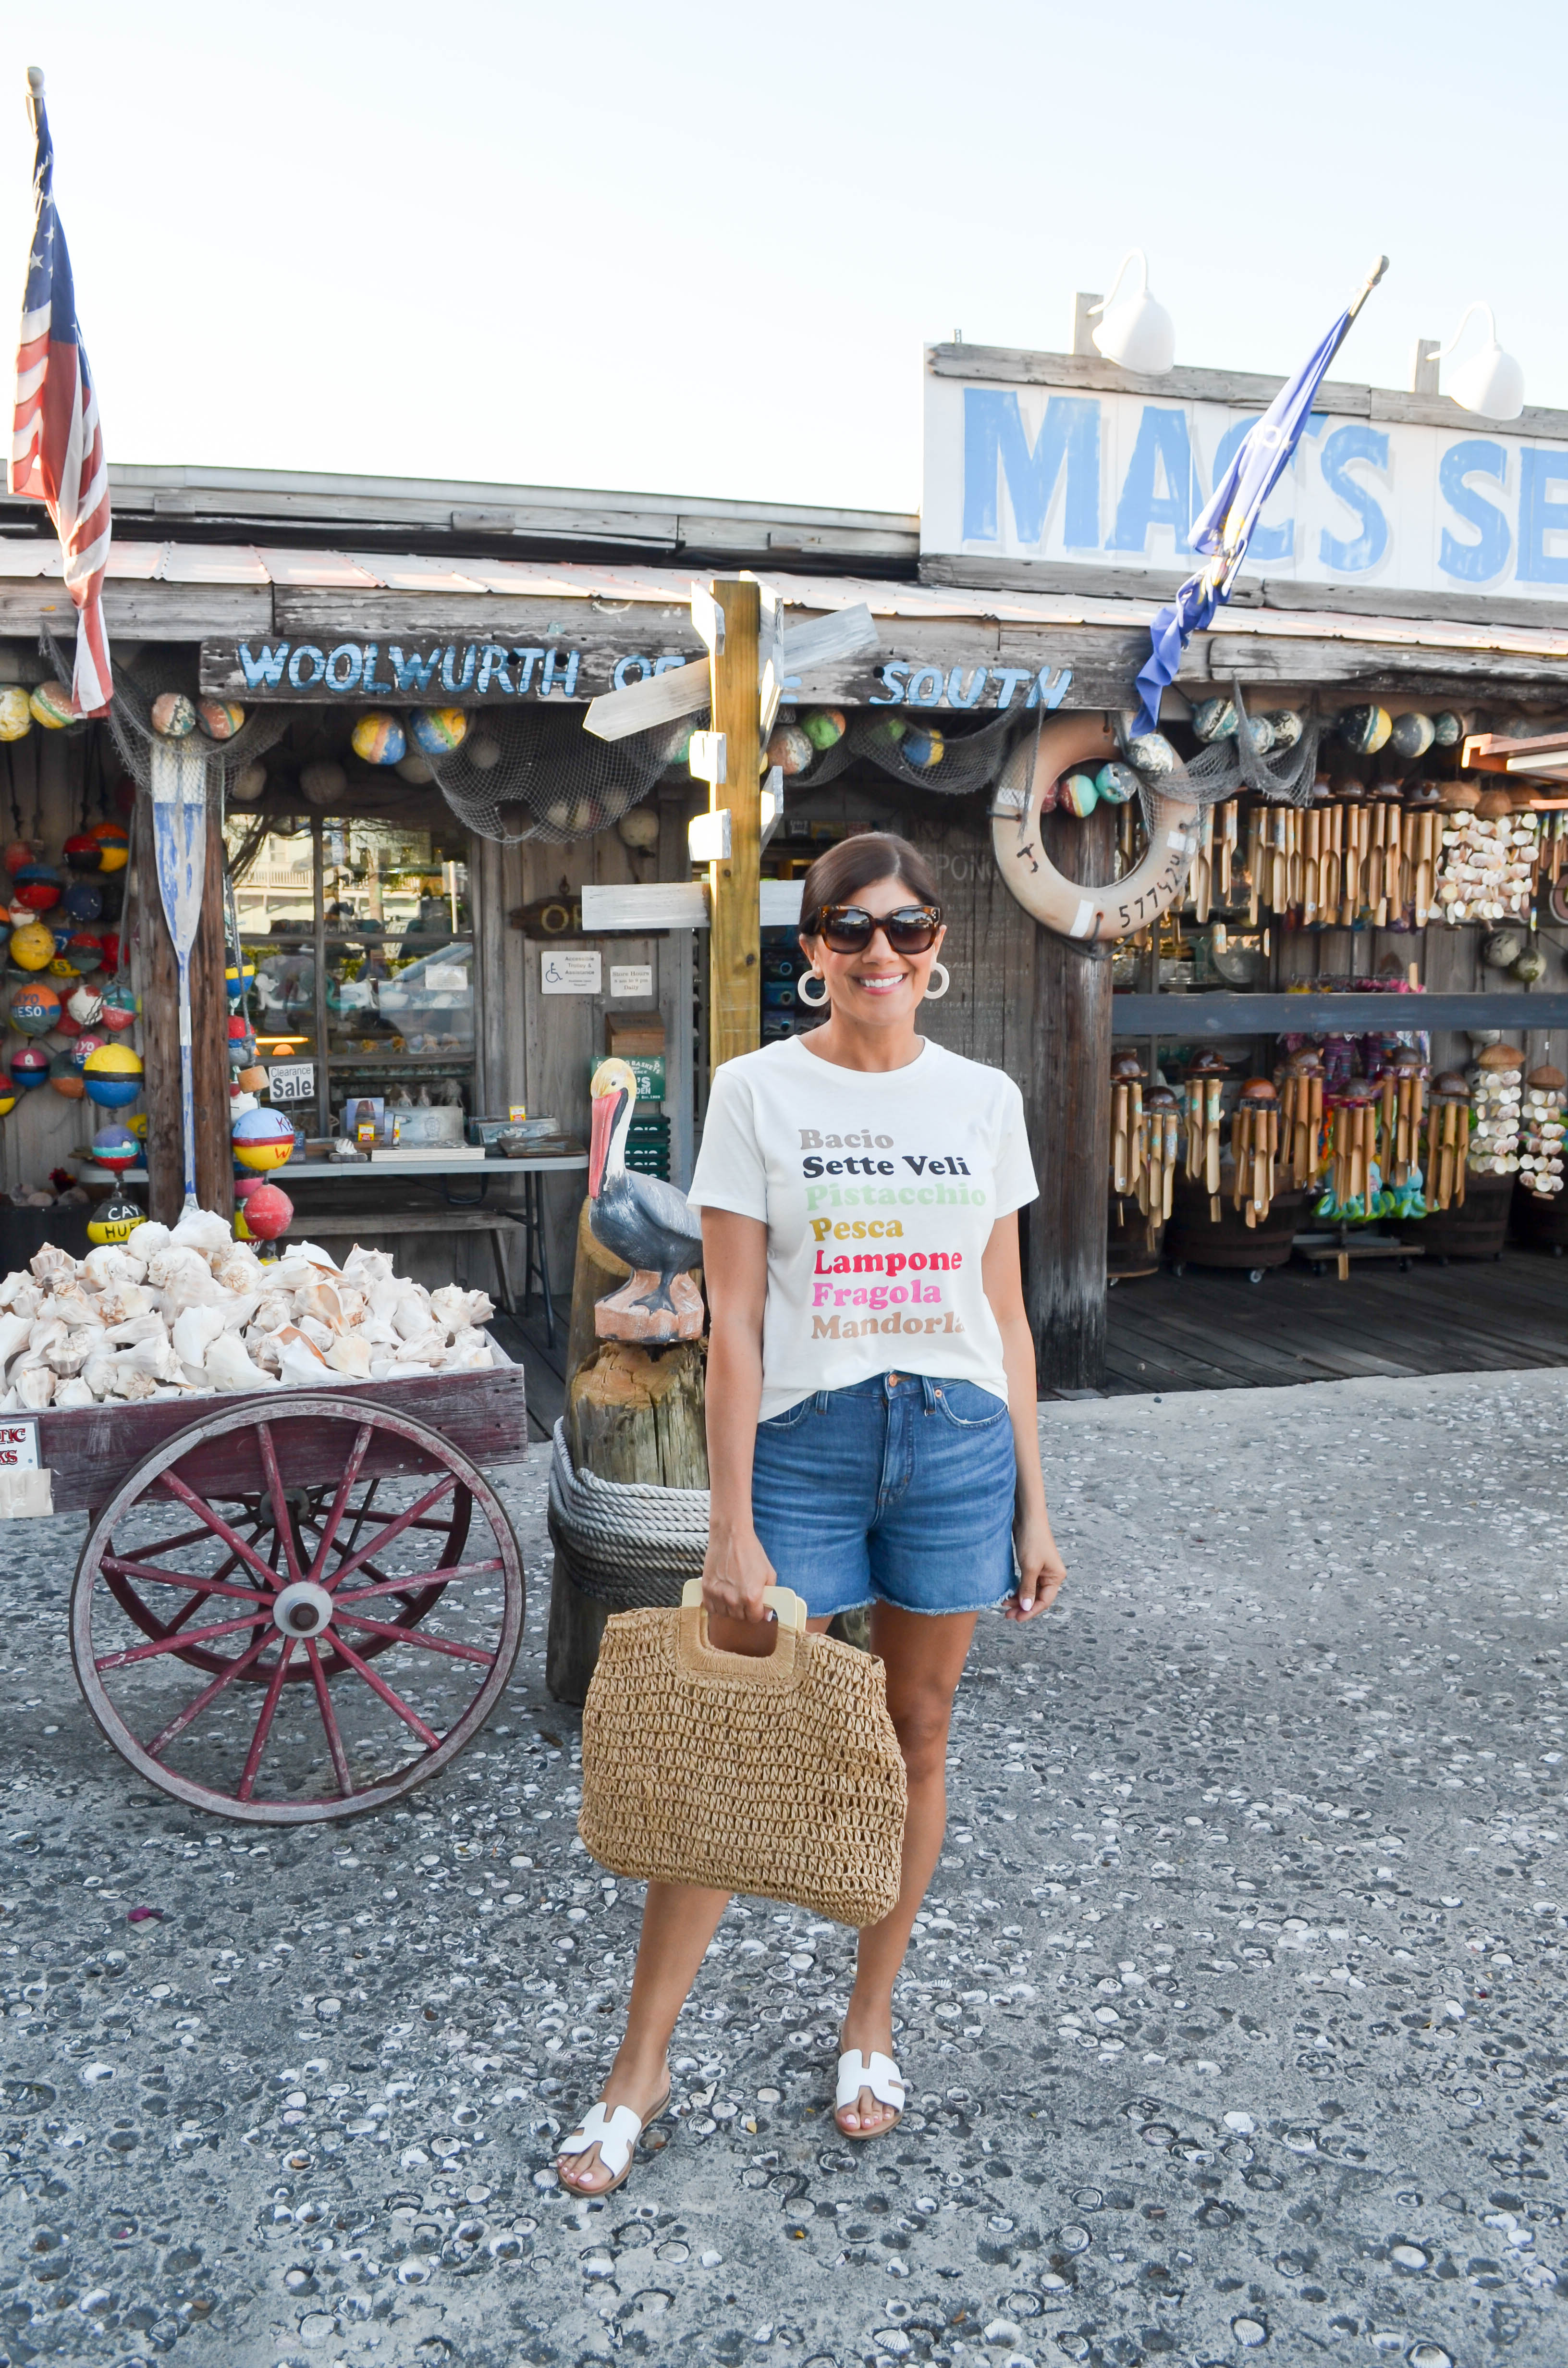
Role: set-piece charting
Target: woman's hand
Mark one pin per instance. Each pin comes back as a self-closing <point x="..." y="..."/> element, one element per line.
<point x="736" y="1571"/>
<point x="1041" y="1568"/>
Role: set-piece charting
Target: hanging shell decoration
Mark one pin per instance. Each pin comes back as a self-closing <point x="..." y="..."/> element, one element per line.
<point x="1540" y="1160"/>
<point x="1496" y="1085"/>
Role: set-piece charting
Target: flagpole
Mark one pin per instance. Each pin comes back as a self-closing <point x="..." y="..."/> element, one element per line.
<point x="35" y="96"/>
<point x="1366" y="287"/>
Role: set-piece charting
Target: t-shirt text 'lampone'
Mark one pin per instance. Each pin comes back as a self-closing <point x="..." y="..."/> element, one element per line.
<point x="879" y="1190"/>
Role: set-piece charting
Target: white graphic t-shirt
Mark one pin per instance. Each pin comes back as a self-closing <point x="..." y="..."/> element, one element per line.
<point x="879" y="1192"/>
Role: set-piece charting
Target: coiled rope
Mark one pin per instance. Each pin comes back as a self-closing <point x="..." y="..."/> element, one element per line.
<point x="624" y="1544"/>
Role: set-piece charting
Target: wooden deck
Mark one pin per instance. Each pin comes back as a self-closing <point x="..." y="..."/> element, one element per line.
<point x="1214" y="1330"/>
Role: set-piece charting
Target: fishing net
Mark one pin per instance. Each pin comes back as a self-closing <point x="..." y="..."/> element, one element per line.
<point x="920" y="748"/>
<point x="1226" y="766"/>
<point x="541" y="776"/>
<point x="130" y="718"/>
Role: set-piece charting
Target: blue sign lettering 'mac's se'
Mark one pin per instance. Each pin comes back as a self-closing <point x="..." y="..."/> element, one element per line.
<point x="1119" y="481"/>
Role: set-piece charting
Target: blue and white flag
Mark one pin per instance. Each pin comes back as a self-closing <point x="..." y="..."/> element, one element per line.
<point x="1223" y="532"/>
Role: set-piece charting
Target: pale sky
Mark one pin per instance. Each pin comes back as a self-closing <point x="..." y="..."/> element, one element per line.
<point x="697" y="249"/>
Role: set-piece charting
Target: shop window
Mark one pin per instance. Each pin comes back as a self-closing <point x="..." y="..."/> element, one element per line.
<point x="361" y="934"/>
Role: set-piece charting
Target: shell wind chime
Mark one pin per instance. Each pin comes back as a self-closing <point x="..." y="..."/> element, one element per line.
<point x="1488" y="861"/>
<point x="1126" y="1123"/>
<point x="1497" y="1090"/>
<point x="1541" y="1161"/>
<point x="1301" y="1113"/>
<point x="1448" y="1140"/>
<point x="1156" y="1176"/>
<point x="1255" y="1147"/>
<point x="1204" y="1081"/>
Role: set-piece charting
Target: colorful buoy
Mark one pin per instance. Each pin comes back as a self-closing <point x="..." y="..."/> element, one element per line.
<point x="113" y="1076"/>
<point x="263" y="1139"/>
<point x="114" y="1220"/>
<point x="35" y="1008"/>
<point x="218" y="718"/>
<point x="789" y="749"/>
<point x="239" y="978"/>
<point x="1077" y="795"/>
<point x="824" y="726"/>
<point x="380" y="739"/>
<point x="32" y="946"/>
<point x="922" y="750"/>
<point x="37" y="887"/>
<point x="82" y="851"/>
<point x="28" y="1066"/>
<point x="8" y="1098"/>
<point x="66" y="1080"/>
<point x="173" y="715"/>
<point x="86" y="1045"/>
<point x="49" y="705"/>
<point x="116" y="845"/>
<point x="119" y="1009"/>
<point x="435" y="730"/>
<point x="116" y="1148"/>
<point x="264" y="1214"/>
<point x="18" y="853"/>
<point x="16" y="715"/>
<point x="84" y="899"/>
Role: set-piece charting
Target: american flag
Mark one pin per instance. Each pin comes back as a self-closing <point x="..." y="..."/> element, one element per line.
<point x="57" y="448"/>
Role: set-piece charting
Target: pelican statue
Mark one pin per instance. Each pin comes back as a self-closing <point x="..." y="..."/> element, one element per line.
<point x="642" y="1220"/>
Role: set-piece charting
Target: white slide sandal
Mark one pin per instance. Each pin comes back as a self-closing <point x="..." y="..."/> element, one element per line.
<point x="615" y="2130"/>
<point x="883" y="2079"/>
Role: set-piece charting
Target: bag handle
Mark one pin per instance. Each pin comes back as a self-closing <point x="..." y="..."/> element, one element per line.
<point x="788" y="1607"/>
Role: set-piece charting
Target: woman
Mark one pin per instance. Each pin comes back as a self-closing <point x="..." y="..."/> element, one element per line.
<point x="871" y="1407"/>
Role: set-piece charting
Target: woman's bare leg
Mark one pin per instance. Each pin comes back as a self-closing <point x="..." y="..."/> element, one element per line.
<point x="924" y="1655"/>
<point x="678" y="1922"/>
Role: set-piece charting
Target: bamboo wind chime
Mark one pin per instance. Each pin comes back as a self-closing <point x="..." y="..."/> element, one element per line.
<point x="1302" y="1115"/>
<point x="1402" y="1094"/>
<point x="1156" y="1176"/>
<point x="1355" y="1131"/>
<point x="1254" y="1146"/>
<point x="1204" y="1082"/>
<point x="1126" y="1123"/>
<point x="1448" y="1140"/>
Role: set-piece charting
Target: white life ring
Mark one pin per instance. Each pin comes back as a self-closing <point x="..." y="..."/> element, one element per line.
<point x="1089" y="915"/>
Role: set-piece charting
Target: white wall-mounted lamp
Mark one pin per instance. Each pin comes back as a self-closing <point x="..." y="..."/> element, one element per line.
<point x="1135" y="331"/>
<point x="1490" y="382"/>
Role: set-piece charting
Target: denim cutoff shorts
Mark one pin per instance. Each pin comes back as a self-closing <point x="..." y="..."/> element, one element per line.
<point x="900" y="1489"/>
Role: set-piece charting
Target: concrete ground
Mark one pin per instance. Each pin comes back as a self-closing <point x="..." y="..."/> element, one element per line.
<point x="1234" y="2025"/>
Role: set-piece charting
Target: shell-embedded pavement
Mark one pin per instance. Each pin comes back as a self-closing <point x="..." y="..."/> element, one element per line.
<point x="1235" y="2025"/>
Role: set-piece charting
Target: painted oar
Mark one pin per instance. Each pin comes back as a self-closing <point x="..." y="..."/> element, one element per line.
<point x="179" y="842"/>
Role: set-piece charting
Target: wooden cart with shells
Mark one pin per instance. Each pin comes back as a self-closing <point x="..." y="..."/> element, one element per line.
<point x="299" y="1605"/>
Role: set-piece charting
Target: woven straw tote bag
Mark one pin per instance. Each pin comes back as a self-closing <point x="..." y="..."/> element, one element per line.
<point x="781" y="1777"/>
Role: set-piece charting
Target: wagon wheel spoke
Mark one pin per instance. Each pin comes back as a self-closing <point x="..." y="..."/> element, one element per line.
<point x="282" y="1518"/>
<point x="171" y="1643"/>
<point x="378" y="1684"/>
<point x="220" y="1528"/>
<point x="333" y="1520"/>
<point x="346" y="1568"/>
<point x="445" y="1577"/>
<point x="178" y="1725"/>
<point x="264" y="1724"/>
<point x="414" y="1636"/>
<point x="150" y="1575"/>
<point x="329" y="1721"/>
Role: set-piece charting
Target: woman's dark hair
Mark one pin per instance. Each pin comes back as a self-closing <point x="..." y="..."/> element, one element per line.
<point x="855" y="863"/>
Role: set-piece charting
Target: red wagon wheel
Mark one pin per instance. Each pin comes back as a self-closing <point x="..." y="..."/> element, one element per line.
<point x="225" y="1564"/>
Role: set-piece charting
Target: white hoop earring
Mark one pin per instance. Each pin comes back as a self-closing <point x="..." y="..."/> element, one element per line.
<point x="812" y="1002"/>
<point x="934" y="994"/>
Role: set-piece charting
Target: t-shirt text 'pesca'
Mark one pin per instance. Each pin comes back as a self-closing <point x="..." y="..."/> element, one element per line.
<point x="879" y="1191"/>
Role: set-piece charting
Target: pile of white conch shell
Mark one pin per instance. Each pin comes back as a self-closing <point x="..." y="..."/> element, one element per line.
<point x="183" y="1311"/>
